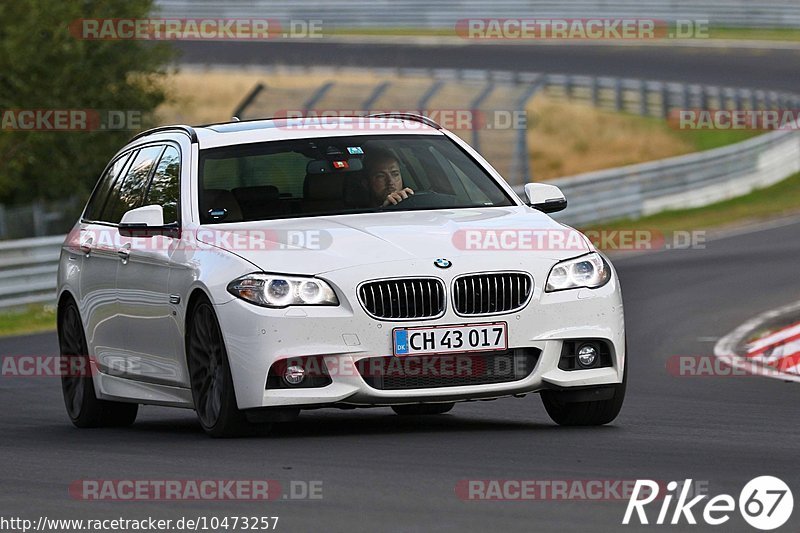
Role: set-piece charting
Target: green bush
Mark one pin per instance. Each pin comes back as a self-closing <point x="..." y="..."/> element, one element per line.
<point x="44" y="66"/>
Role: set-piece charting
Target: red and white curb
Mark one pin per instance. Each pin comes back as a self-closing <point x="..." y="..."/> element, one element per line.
<point x="767" y="345"/>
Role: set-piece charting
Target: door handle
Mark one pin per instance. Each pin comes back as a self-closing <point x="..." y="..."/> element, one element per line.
<point x="86" y="246"/>
<point x="124" y="253"/>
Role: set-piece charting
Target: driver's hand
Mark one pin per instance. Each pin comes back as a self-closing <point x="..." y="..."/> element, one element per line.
<point x="397" y="197"/>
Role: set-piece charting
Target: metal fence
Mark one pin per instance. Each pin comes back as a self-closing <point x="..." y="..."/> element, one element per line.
<point x="498" y="91"/>
<point x="28" y="270"/>
<point x="39" y="218"/>
<point x="445" y="13"/>
<point x="28" y="266"/>
<point x="692" y="180"/>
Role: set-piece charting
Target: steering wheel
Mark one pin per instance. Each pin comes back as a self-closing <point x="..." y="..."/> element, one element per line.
<point x="423" y="199"/>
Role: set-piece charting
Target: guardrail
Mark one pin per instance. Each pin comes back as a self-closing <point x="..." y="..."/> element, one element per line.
<point x="40" y="218"/>
<point x="692" y="180"/>
<point x="28" y="266"/>
<point x="643" y="97"/>
<point x="445" y="13"/>
<point x="28" y="270"/>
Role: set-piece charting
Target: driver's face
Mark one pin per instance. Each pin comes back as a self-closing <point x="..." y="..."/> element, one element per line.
<point x="384" y="178"/>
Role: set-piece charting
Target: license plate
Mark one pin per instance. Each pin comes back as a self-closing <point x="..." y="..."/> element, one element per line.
<point x="450" y="339"/>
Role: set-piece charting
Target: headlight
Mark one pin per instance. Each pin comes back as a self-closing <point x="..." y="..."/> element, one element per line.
<point x="589" y="271"/>
<point x="273" y="290"/>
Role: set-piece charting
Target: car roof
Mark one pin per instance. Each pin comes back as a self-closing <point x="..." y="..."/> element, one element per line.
<point x="274" y="129"/>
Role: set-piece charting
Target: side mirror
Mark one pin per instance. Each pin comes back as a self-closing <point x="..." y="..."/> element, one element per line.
<point x="546" y="198"/>
<point x="146" y="221"/>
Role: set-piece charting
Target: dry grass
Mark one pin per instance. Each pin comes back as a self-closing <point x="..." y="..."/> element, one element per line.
<point x="564" y="138"/>
<point x="569" y="138"/>
<point x="200" y="96"/>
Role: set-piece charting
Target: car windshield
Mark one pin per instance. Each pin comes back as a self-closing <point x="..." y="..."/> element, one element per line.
<point x="340" y="175"/>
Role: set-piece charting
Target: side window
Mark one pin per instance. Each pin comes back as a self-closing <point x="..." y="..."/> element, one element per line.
<point x="128" y="192"/>
<point x="98" y="199"/>
<point x="164" y="189"/>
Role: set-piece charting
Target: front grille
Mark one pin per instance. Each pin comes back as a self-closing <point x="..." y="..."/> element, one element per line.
<point x="403" y="298"/>
<point x="434" y="371"/>
<point x="486" y="294"/>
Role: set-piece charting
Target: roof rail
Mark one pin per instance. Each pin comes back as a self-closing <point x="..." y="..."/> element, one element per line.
<point x="408" y="116"/>
<point x="237" y="120"/>
<point x="188" y="130"/>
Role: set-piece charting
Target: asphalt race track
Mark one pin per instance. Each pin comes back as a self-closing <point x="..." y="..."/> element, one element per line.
<point x="381" y="472"/>
<point x="734" y="67"/>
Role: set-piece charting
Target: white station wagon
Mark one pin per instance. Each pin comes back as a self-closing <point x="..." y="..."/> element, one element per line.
<point x="249" y="270"/>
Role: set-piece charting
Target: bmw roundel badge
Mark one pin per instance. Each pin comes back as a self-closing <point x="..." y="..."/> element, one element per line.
<point x="442" y="263"/>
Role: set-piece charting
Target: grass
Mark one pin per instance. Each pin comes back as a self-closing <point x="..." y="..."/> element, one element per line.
<point x="568" y="138"/>
<point x="564" y="137"/>
<point x="780" y="199"/>
<point x="204" y="95"/>
<point x="757" y="34"/>
<point x="708" y="139"/>
<point x="31" y="319"/>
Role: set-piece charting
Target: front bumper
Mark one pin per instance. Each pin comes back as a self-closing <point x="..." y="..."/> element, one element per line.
<point x="256" y="337"/>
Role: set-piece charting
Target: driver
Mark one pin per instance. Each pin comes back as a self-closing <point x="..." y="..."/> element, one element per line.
<point x="384" y="180"/>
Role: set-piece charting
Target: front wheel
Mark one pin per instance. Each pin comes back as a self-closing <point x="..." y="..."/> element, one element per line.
<point x="585" y="413"/>
<point x="85" y="410"/>
<point x="422" y="409"/>
<point x="210" y="375"/>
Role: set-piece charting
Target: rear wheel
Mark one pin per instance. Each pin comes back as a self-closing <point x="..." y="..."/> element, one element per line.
<point x="210" y="375"/>
<point x="422" y="409"/>
<point x="83" y="407"/>
<point x="585" y="413"/>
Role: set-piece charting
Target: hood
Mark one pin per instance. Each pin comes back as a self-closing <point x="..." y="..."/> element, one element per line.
<point x="317" y="245"/>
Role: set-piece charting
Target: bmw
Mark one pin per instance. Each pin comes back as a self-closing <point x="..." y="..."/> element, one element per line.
<point x="250" y="270"/>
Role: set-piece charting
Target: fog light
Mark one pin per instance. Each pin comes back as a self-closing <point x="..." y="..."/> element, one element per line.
<point x="294" y="375"/>
<point x="587" y="355"/>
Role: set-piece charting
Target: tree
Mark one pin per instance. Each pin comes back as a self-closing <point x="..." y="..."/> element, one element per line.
<point x="45" y="66"/>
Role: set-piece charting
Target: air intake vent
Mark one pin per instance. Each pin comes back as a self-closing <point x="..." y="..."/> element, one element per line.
<point x="491" y="293"/>
<point x="403" y="298"/>
<point x="457" y="370"/>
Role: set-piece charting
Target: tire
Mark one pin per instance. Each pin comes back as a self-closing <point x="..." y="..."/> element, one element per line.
<point x="85" y="410"/>
<point x="422" y="409"/>
<point x="212" y="387"/>
<point x="591" y="413"/>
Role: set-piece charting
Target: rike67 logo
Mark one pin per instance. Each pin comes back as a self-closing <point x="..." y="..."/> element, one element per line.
<point x="765" y="503"/>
